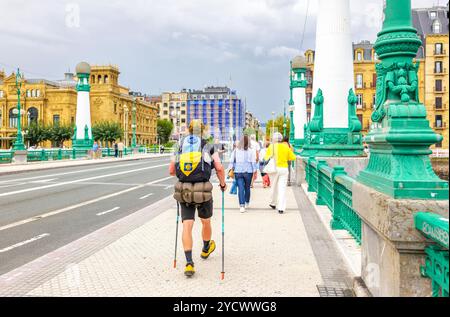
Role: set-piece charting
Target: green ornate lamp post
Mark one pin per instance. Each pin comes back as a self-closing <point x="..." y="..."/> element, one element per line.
<point x="298" y="85"/>
<point x="19" y="145"/>
<point x="400" y="136"/>
<point x="284" y="120"/>
<point x="133" y="126"/>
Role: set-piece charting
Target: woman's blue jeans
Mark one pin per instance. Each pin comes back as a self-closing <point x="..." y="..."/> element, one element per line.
<point x="244" y="181"/>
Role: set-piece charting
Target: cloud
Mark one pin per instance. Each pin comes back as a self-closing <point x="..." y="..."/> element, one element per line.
<point x="283" y="51"/>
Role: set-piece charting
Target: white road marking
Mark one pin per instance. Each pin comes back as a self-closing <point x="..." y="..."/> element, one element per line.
<point x="108" y="211"/>
<point x="169" y="187"/>
<point x="60" y="211"/>
<point x="77" y="172"/>
<point x="80" y="180"/>
<point x="24" y="243"/>
<point x="12" y="185"/>
<point x="146" y="196"/>
<point x="44" y="181"/>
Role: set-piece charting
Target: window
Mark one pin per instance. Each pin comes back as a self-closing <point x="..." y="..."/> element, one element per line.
<point x="438" y="85"/>
<point x="438" y="67"/>
<point x="33" y="115"/>
<point x="438" y="121"/>
<point x="374" y="100"/>
<point x="1" y="118"/>
<point x="56" y="119"/>
<point x="436" y="27"/>
<point x="438" y="103"/>
<point x="359" y="81"/>
<point x="13" y="118"/>
<point x="359" y="103"/>
<point x="115" y="108"/>
<point x="438" y="49"/>
<point x="38" y="93"/>
<point x="359" y="56"/>
<point x="99" y="79"/>
<point x="93" y="79"/>
<point x="106" y="79"/>
<point x="183" y="112"/>
<point x="1" y="93"/>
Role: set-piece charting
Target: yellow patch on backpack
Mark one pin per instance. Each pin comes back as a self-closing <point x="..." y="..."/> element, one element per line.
<point x="189" y="162"/>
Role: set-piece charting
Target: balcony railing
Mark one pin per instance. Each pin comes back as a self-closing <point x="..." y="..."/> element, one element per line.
<point x="442" y="125"/>
<point x="440" y="108"/>
<point x="441" y="71"/>
<point x="441" y="52"/>
<point x="442" y="90"/>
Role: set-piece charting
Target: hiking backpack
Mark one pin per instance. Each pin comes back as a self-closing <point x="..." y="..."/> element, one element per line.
<point x="194" y="160"/>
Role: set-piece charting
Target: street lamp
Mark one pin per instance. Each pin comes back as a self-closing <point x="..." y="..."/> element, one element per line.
<point x="133" y="126"/>
<point x="19" y="145"/>
<point x="125" y="123"/>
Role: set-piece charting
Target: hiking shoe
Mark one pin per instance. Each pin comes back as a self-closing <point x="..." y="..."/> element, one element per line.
<point x="189" y="271"/>
<point x="273" y="207"/>
<point x="280" y="212"/>
<point x="212" y="248"/>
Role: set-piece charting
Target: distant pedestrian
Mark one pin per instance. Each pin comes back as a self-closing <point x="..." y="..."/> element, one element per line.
<point x="243" y="162"/>
<point x="120" y="148"/>
<point x="95" y="148"/>
<point x="262" y="163"/>
<point x="281" y="153"/>
<point x="116" y="150"/>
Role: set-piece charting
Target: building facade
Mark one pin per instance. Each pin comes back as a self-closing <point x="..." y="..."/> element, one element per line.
<point x="220" y="109"/>
<point x="251" y="122"/>
<point x="173" y="107"/>
<point x="52" y="102"/>
<point x="433" y="58"/>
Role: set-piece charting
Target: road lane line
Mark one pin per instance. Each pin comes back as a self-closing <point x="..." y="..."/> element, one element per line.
<point x="76" y="172"/>
<point x="43" y="181"/>
<point x="146" y="196"/>
<point x="24" y="243"/>
<point x="108" y="211"/>
<point x="12" y="185"/>
<point x="80" y="180"/>
<point x="60" y="211"/>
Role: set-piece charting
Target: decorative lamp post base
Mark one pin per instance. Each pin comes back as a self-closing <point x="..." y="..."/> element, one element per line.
<point x="333" y="143"/>
<point x="399" y="163"/>
<point x="298" y="145"/>
<point x="82" y="144"/>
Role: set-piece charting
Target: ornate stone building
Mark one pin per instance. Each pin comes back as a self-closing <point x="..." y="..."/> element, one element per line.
<point x="51" y="102"/>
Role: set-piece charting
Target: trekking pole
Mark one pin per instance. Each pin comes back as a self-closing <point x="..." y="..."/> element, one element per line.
<point x="223" y="235"/>
<point x="176" y="236"/>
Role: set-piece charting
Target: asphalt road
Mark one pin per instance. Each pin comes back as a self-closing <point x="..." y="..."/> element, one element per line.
<point x="44" y="210"/>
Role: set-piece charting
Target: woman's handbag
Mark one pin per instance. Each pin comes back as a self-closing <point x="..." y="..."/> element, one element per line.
<point x="231" y="171"/>
<point x="271" y="167"/>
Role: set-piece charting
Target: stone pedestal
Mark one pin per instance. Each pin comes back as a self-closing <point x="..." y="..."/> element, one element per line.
<point x="20" y="157"/>
<point x="392" y="249"/>
<point x="352" y="165"/>
<point x="300" y="173"/>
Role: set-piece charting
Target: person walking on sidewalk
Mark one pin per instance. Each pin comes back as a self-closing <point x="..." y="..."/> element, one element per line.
<point x="120" y="148"/>
<point x="116" y="150"/>
<point x="243" y="162"/>
<point x="193" y="165"/>
<point x="282" y="154"/>
<point x="262" y="163"/>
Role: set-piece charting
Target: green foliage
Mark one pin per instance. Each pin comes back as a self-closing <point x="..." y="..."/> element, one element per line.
<point x="59" y="133"/>
<point x="107" y="132"/>
<point x="164" y="130"/>
<point x="36" y="133"/>
<point x="278" y="126"/>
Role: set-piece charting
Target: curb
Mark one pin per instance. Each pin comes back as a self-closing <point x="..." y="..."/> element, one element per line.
<point x="88" y="163"/>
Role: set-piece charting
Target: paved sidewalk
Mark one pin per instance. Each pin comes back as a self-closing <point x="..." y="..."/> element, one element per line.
<point x="267" y="254"/>
<point x="6" y="169"/>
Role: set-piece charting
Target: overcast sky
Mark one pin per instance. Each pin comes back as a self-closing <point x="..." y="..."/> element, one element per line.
<point x="167" y="45"/>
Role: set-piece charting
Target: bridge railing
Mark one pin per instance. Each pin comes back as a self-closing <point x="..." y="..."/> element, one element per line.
<point x="6" y="157"/>
<point x="334" y="190"/>
<point x="436" y="268"/>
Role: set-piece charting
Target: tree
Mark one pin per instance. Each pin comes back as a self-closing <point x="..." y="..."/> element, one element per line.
<point x="36" y="133"/>
<point x="107" y="131"/>
<point x="58" y="134"/>
<point x="165" y="128"/>
<point x="278" y="126"/>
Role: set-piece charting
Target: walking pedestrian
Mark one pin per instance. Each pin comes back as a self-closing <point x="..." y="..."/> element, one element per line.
<point x="120" y="148"/>
<point x="281" y="153"/>
<point x="265" y="177"/>
<point x="193" y="165"/>
<point x="243" y="162"/>
<point x="95" y="148"/>
<point x="116" y="150"/>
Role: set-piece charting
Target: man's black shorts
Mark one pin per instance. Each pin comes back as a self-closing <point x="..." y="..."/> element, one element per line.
<point x="205" y="211"/>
